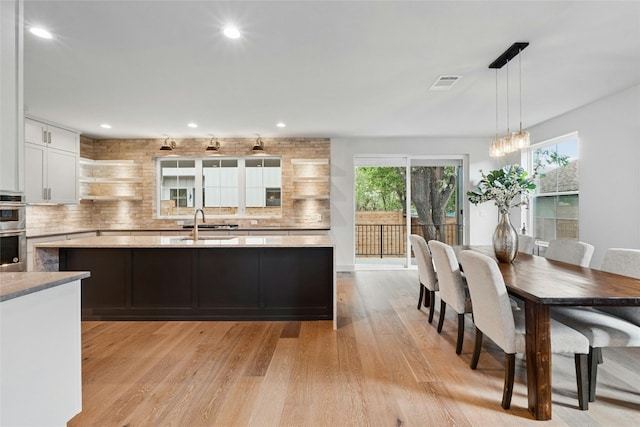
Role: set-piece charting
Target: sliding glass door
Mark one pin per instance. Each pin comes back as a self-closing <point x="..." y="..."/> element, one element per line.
<point x="391" y="204"/>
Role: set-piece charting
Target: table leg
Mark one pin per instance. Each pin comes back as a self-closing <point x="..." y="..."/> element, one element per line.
<point x="538" y="341"/>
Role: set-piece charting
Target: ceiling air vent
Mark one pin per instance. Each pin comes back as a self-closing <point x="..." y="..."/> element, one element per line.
<point x="444" y="82"/>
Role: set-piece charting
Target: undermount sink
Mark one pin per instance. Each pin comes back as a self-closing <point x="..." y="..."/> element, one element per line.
<point x="208" y="238"/>
<point x="213" y="226"/>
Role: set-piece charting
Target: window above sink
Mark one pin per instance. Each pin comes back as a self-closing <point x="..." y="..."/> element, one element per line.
<point x="222" y="187"/>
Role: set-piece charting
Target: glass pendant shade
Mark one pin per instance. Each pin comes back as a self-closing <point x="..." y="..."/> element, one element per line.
<point x="520" y="139"/>
<point x="494" y="149"/>
<point x="512" y="141"/>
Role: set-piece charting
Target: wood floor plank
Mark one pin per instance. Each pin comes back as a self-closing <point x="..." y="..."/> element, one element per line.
<point x="269" y="403"/>
<point x="384" y="366"/>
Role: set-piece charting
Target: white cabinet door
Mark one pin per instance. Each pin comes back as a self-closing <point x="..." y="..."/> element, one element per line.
<point x="51" y="176"/>
<point x="62" y="176"/>
<point x="35" y="132"/>
<point x="35" y="173"/>
<point x="63" y="139"/>
<point x="10" y="98"/>
<point x="51" y="173"/>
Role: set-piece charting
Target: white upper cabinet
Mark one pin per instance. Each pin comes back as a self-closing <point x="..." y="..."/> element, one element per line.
<point x="10" y="97"/>
<point x="36" y="132"/>
<point x="51" y="163"/>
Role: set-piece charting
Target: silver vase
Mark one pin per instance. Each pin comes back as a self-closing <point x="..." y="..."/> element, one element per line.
<point x="505" y="239"/>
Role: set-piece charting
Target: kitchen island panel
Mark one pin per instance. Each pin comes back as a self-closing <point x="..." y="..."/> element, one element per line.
<point x="162" y="279"/>
<point x="229" y="279"/>
<point x="297" y="279"/>
<point x="107" y="288"/>
<point x="204" y="283"/>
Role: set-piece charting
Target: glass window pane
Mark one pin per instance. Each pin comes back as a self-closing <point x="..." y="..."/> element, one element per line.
<point x="177" y="187"/>
<point x="556" y="214"/>
<point x="219" y="182"/>
<point x="263" y="181"/>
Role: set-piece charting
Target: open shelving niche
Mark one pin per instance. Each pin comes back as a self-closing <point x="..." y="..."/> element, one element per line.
<point x="310" y="174"/>
<point x="87" y="179"/>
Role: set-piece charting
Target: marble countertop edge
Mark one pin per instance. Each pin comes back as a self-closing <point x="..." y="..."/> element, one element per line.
<point x="180" y="242"/>
<point x="17" y="284"/>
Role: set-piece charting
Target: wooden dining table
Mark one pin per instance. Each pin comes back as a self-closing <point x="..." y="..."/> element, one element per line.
<point x="543" y="283"/>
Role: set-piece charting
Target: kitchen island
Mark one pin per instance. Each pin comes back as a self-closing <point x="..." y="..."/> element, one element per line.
<point x="214" y="278"/>
<point x="40" y="353"/>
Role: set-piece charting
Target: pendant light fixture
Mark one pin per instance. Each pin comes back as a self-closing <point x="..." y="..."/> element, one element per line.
<point x="517" y="140"/>
<point x="506" y="140"/>
<point x="213" y="145"/>
<point x="259" y="145"/>
<point x="520" y="139"/>
<point x="168" y="145"/>
<point x="494" y="150"/>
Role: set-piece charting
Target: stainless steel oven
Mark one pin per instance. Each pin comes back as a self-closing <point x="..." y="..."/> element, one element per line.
<point x="13" y="251"/>
<point x="12" y="215"/>
<point x="13" y="240"/>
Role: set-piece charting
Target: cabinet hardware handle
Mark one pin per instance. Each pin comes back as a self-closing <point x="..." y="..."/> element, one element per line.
<point x="49" y="194"/>
<point x="44" y="136"/>
<point x="49" y="138"/>
<point x="44" y="194"/>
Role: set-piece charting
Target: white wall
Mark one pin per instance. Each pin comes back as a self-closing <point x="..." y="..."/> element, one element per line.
<point x="480" y="221"/>
<point x="609" y="131"/>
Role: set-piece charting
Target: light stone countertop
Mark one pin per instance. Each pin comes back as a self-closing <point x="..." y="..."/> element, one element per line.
<point x="34" y="232"/>
<point x="203" y="242"/>
<point x="14" y="285"/>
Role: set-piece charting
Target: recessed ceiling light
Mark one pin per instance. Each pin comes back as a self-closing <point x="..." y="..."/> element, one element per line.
<point x="281" y="125"/>
<point x="231" y="32"/>
<point x="192" y="125"/>
<point x="40" y="32"/>
<point x="105" y="126"/>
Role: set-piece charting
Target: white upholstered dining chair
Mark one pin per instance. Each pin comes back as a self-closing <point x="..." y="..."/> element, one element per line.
<point x="453" y="290"/>
<point x="606" y="326"/>
<point x="570" y="251"/>
<point x="526" y="243"/>
<point x="426" y="272"/>
<point x="494" y="317"/>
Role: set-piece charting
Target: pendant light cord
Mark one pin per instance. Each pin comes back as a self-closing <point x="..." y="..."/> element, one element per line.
<point x="508" y="134"/>
<point x="496" y="104"/>
<point x="520" y="84"/>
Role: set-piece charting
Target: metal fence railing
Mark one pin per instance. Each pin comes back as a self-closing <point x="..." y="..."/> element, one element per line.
<point x="382" y="240"/>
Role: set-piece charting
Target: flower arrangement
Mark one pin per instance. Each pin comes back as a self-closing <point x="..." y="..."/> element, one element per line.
<point x="502" y="186"/>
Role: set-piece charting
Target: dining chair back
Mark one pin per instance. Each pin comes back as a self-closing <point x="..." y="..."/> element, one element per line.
<point x="453" y="290"/>
<point x="627" y="263"/>
<point x="426" y="272"/>
<point x="526" y="243"/>
<point x="570" y="251"/>
<point x="493" y="316"/>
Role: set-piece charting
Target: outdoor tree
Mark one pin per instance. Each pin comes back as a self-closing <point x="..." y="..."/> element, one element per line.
<point x="383" y="188"/>
<point x="380" y="189"/>
<point x="431" y="190"/>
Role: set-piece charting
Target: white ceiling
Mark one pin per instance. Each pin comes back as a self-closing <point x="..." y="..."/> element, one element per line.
<point x="327" y="69"/>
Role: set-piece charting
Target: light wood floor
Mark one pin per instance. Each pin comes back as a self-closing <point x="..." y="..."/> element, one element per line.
<point x="384" y="366"/>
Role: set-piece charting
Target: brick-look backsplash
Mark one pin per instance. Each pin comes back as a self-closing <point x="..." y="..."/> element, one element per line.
<point x="141" y="214"/>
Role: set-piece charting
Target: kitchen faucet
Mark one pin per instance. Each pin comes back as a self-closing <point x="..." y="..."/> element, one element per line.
<point x="195" y="223"/>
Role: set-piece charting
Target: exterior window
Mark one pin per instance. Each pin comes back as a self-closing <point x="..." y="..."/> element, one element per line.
<point x="262" y="184"/>
<point x="177" y="187"/>
<point x="220" y="186"/>
<point x="556" y="202"/>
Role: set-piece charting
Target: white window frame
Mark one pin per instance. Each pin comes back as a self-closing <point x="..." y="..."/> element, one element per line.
<point x="198" y="199"/>
<point x="530" y="211"/>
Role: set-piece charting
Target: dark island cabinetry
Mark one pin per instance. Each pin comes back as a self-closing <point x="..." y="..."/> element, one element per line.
<point x="204" y="284"/>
